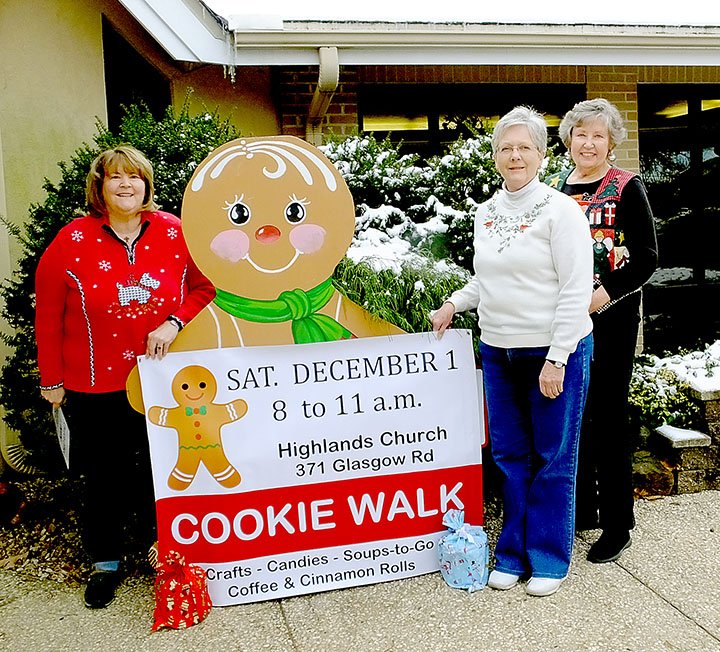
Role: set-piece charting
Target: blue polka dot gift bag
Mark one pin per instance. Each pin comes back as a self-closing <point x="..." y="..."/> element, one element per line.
<point x="463" y="553"/>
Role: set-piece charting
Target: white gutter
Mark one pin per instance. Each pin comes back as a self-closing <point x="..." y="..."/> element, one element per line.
<point x="383" y="44"/>
<point x="328" y="79"/>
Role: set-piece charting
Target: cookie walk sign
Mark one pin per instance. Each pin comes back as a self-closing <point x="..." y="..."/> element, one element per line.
<point x="285" y="470"/>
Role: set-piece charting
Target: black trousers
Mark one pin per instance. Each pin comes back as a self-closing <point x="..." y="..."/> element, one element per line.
<point x="109" y="452"/>
<point x="604" y="483"/>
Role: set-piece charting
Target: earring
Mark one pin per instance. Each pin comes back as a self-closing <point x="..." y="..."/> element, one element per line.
<point x="611" y="156"/>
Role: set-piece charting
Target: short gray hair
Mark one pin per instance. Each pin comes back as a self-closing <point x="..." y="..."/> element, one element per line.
<point x="589" y="110"/>
<point x="522" y="115"/>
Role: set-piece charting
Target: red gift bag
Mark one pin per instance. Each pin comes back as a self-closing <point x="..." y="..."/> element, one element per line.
<point x="181" y="595"/>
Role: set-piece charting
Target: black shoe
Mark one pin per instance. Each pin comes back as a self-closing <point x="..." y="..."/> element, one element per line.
<point x="100" y="590"/>
<point x="609" y="546"/>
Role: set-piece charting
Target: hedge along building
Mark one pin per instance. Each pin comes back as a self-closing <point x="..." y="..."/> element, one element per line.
<point x="314" y="73"/>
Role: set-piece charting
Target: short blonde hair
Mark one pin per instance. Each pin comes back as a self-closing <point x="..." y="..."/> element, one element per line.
<point x="122" y="157"/>
<point x="589" y="110"/>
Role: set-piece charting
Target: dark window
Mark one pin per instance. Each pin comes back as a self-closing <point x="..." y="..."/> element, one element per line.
<point x="130" y="79"/>
<point x="427" y="116"/>
<point x="680" y="159"/>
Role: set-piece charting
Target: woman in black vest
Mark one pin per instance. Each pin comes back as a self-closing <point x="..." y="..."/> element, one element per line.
<point x="625" y="256"/>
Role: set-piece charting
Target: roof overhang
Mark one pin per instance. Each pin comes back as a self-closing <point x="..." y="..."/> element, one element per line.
<point x="186" y="29"/>
<point x="189" y="31"/>
<point x="480" y="44"/>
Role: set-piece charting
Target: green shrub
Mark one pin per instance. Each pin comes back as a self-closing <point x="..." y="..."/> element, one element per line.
<point x="658" y="396"/>
<point x="377" y="174"/>
<point x="403" y="296"/>
<point x="430" y="205"/>
<point x="175" y="145"/>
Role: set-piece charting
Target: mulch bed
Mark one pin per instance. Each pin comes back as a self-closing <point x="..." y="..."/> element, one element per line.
<point x="45" y="543"/>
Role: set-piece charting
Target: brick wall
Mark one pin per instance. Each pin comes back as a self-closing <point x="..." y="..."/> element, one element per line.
<point x="294" y="87"/>
<point x="618" y="84"/>
<point x="473" y="74"/>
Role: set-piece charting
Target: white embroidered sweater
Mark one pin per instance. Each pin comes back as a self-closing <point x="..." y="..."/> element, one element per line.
<point x="533" y="271"/>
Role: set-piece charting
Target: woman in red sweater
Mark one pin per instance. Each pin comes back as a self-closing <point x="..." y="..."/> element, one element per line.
<point x="111" y="286"/>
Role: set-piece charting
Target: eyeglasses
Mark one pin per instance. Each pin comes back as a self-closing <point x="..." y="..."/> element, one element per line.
<point x="507" y="150"/>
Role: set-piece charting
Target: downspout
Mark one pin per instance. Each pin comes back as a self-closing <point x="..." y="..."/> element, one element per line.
<point x="328" y="79"/>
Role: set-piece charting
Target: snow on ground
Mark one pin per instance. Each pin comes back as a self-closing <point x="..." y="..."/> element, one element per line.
<point x="674" y="275"/>
<point x="700" y="369"/>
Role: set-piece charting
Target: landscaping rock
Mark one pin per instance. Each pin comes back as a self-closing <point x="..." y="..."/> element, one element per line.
<point x="651" y="476"/>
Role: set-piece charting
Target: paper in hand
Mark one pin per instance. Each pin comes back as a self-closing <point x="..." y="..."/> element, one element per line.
<point x="63" y="434"/>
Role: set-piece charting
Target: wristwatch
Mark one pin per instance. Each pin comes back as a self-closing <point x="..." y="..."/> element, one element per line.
<point x="557" y="364"/>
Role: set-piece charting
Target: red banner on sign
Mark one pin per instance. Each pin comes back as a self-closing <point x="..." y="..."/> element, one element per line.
<point x="236" y="526"/>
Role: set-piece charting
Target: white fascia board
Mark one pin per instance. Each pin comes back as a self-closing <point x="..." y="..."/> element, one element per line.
<point x="185" y="34"/>
<point x="497" y="56"/>
<point x="484" y="45"/>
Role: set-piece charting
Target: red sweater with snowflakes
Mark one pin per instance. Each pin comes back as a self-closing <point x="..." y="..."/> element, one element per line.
<point x="97" y="298"/>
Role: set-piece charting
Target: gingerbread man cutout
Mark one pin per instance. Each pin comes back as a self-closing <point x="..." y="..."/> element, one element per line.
<point x="267" y="220"/>
<point x="198" y="421"/>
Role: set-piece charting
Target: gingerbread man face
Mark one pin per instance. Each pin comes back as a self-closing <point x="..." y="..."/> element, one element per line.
<point x="194" y="385"/>
<point x="264" y="215"/>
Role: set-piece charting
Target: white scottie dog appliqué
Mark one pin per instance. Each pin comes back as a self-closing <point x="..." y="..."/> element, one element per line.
<point x="140" y="292"/>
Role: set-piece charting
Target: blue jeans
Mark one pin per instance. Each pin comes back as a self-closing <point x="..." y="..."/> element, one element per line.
<point x="534" y="442"/>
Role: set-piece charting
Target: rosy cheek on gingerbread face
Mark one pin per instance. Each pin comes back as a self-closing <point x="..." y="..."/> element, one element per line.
<point x="307" y="238"/>
<point x="230" y="245"/>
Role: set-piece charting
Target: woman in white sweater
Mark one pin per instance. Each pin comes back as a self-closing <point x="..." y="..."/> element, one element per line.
<point x="532" y="289"/>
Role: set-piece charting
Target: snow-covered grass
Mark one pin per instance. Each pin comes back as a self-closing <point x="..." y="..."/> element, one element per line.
<point x="676" y="275"/>
<point x="699" y="369"/>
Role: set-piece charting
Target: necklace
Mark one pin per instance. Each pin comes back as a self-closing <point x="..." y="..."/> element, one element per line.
<point x="127" y="237"/>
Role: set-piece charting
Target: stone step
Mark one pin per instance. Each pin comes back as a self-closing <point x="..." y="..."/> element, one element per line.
<point x="690" y="455"/>
<point x="683" y="437"/>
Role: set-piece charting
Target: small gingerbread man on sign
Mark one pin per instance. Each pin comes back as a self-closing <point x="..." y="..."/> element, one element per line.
<point x="198" y="421"/>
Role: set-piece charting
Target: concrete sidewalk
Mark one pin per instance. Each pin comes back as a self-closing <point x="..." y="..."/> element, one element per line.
<point x="662" y="595"/>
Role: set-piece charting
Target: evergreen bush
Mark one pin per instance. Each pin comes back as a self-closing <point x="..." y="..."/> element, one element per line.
<point x="430" y="205"/>
<point x="174" y="144"/>
<point x="658" y="396"/>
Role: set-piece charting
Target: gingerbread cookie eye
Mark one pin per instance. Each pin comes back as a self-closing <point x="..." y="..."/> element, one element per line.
<point x="295" y="211"/>
<point x="184" y="387"/>
<point x="203" y="385"/>
<point x="238" y="211"/>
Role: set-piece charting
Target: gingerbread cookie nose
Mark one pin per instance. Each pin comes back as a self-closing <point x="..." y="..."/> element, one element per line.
<point x="267" y="234"/>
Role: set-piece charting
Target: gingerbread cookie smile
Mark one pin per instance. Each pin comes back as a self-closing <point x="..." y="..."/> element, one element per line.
<point x="235" y="245"/>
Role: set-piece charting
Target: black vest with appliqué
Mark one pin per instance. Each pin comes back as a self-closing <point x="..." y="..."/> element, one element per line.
<point x="608" y="239"/>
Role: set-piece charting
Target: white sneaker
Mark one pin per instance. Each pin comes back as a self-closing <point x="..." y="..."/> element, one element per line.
<point x="502" y="581"/>
<point x="542" y="586"/>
